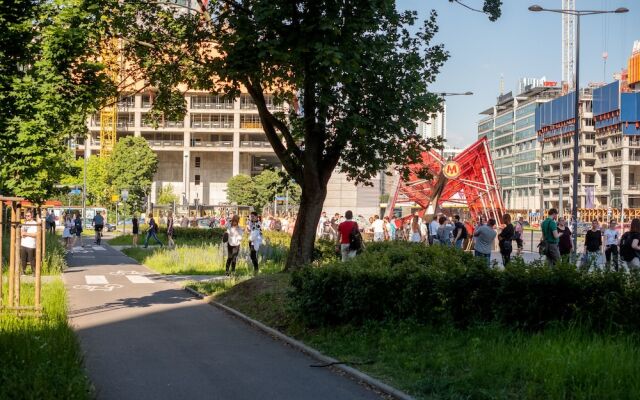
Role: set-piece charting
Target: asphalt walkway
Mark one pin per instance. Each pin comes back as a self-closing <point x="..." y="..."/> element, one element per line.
<point x="143" y="337"/>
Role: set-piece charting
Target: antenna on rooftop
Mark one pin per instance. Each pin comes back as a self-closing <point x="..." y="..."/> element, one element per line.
<point x="501" y="84"/>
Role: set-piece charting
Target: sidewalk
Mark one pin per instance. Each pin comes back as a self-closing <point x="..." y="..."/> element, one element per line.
<point x="143" y="337"/>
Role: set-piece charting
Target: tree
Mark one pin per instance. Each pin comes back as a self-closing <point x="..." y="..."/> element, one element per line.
<point x="132" y="166"/>
<point x="356" y="73"/>
<point x="49" y="81"/>
<point x="269" y="184"/>
<point x="99" y="185"/>
<point x="240" y="190"/>
<point x="167" y="196"/>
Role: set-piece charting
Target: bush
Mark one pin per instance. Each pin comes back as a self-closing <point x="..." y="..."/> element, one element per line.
<point x="395" y="281"/>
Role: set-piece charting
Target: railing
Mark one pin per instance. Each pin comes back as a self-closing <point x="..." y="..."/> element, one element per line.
<point x="255" y="143"/>
<point x="166" y="143"/>
<point x="634" y="187"/>
<point x="202" y="143"/>
<point x="212" y="124"/>
<point x="250" y="125"/>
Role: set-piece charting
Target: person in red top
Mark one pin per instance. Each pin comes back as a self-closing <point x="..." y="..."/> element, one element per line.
<point x="344" y="233"/>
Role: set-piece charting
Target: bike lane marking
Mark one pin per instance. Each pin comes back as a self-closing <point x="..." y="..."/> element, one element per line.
<point x="96" y="279"/>
<point x="138" y="279"/>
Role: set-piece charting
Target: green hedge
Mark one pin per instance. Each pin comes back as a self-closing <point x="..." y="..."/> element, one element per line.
<point x="395" y="281"/>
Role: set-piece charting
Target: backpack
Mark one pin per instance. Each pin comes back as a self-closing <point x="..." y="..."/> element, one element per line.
<point x="626" y="251"/>
<point x="543" y="245"/>
<point x="355" y="239"/>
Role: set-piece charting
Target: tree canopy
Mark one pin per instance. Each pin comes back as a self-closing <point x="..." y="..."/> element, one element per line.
<point x="49" y="81"/>
<point x="132" y="166"/>
<point x="262" y="189"/>
<point x="355" y="74"/>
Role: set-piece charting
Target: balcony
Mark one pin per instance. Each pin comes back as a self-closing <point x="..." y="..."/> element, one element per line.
<point x="255" y="144"/>
<point x="211" y="144"/>
<point x="166" y="143"/>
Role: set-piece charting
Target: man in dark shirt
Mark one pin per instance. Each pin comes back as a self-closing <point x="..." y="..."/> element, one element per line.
<point x="459" y="232"/>
<point x="592" y="245"/>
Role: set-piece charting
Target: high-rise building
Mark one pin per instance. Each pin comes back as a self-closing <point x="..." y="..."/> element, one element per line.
<point x="434" y="126"/>
<point x="509" y="126"/>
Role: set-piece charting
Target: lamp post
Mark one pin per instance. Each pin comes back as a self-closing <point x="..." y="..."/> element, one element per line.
<point x="576" y="133"/>
<point x="444" y="109"/>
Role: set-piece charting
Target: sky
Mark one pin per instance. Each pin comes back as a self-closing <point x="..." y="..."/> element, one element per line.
<point x="520" y="44"/>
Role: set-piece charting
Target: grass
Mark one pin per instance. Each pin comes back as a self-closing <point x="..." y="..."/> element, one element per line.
<point x="40" y="356"/>
<point x="203" y="259"/>
<point x="482" y="362"/>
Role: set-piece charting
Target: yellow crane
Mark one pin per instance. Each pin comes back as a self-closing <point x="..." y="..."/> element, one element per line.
<point x="109" y="113"/>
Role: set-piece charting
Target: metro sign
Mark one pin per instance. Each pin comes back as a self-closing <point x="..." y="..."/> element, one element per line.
<point x="451" y="170"/>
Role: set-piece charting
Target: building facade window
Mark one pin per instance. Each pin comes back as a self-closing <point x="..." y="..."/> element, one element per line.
<point x="211" y="102"/>
<point x="197" y="162"/>
<point x="224" y="121"/>
<point x="197" y="179"/>
<point x="250" y="121"/>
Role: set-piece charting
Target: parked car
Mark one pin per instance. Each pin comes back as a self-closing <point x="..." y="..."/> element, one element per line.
<point x="109" y="227"/>
<point x="203" y="223"/>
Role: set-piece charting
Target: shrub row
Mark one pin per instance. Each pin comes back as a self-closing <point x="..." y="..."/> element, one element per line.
<point x="395" y="281"/>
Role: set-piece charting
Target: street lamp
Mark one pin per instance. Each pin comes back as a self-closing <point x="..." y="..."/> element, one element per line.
<point x="443" y="95"/>
<point x="576" y="133"/>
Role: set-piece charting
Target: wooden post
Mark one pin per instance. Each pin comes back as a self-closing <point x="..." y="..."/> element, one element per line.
<point x="1" y="238"/>
<point x="41" y="231"/>
<point x="12" y="252"/>
<point x="18" y="266"/>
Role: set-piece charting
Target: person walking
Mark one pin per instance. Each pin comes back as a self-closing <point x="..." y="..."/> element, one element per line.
<point x="519" y="235"/>
<point x="28" y="234"/>
<point x="485" y="235"/>
<point x="77" y="230"/>
<point x="592" y="246"/>
<point x="98" y="225"/>
<point x="565" y="245"/>
<point x="255" y="239"/>
<point x="50" y="222"/>
<point x="135" y="230"/>
<point x="505" y="240"/>
<point x="234" y="238"/>
<point x="390" y="229"/>
<point x="152" y="232"/>
<point x="170" y="232"/>
<point x="66" y="233"/>
<point x="344" y="236"/>
<point x="551" y="236"/>
<point x="460" y="233"/>
<point x="611" y="245"/>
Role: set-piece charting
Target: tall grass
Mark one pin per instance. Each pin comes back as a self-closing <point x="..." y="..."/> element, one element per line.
<point x="490" y="362"/>
<point x="52" y="263"/>
<point x="206" y="259"/>
<point x="40" y="358"/>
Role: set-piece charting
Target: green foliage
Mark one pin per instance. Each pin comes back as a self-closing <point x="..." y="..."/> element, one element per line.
<point x="240" y="190"/>
<point x="99" y="185"/>
<point x="132" y="166"/>
<point x="439" y="284"/>
<point x="41" y="357"/>
<point x="167" y="196"/>
<point x="262" y="189"/>
<point x="49" y="82"/>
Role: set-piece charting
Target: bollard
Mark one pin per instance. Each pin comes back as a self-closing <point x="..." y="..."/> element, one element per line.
<point x="531" y="241"/>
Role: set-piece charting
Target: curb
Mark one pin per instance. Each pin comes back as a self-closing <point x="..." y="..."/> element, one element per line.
<point x="354" y="373"/>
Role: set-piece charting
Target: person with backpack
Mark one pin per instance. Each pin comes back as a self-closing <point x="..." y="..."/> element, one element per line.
<point x="347" y="232"/>
<point x="551" y="237"/>
<point x="630" y="245"/>
<point x="611" y="245"/>
<point x="459" y="232"/>
<point x="152" y="232"/>
<point x="77" y="230"/>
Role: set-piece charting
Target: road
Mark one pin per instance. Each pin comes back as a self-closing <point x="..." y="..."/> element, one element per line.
<point x="143" y="337"/>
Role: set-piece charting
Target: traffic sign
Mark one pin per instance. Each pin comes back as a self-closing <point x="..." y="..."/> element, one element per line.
<point x="115" y="197"/>
<point x="75" y="191"/>
<point x="124" y="194"/>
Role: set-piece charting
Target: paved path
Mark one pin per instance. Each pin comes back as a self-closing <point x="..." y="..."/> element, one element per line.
<point x="145" y="338"/>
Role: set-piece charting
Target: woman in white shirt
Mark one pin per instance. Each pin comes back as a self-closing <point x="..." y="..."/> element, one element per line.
<point x="255" y="239"/>
<point x="66" y="234"/>
<point x="234" y="233"/>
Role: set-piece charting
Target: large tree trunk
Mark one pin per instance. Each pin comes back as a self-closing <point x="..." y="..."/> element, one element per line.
<point x="304" y="233"/>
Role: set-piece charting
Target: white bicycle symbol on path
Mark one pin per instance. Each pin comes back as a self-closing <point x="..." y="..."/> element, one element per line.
<point x="103" y="288"/>
<point x="123" y="273"/>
